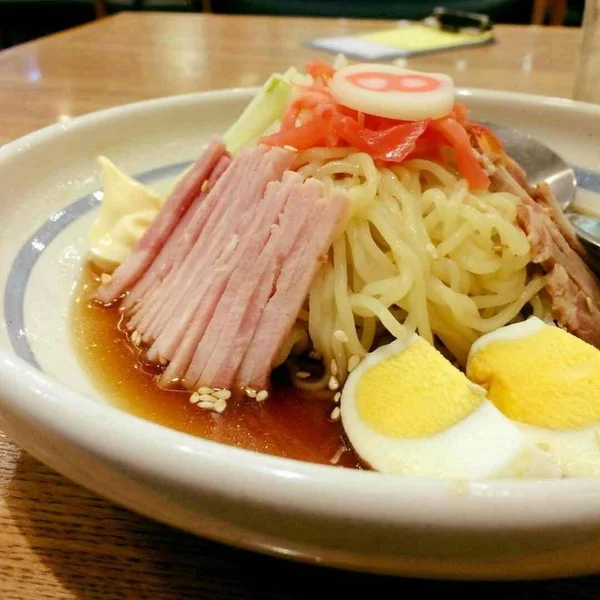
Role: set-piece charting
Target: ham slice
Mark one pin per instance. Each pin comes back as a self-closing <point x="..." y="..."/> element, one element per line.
<point x="214" y="238"/>
<point x="227" y="374"/>
<point x="217" y="358"/>
<point x="215" y="305"/>
<point x="182" y="236"/>
<point x="291" y="289"/>
<point x="185" y="299"/>
<point x="218" y="284"/>
<point x="196" y="232"/>
<point x="150" y="244"/>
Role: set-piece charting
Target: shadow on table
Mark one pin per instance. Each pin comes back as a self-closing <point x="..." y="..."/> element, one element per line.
<point x="98" y="550"/>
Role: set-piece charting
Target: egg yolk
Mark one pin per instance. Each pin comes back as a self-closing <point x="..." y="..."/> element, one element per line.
<point x="549" y="378"/>
<point x="415" y="393"/>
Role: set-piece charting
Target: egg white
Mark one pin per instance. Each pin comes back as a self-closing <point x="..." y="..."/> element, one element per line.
<point x="577" y="451"/>
<point x="513" y="332"/>
<point x="485" y="444"/>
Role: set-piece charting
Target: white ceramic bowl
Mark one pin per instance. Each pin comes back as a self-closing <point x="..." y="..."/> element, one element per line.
<point x="353" y="519"/>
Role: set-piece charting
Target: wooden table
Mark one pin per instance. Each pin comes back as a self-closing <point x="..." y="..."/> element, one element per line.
<point x="56" y="539"/>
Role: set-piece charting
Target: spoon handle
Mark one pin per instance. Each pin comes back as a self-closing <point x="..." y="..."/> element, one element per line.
<point x="587" y="79"/>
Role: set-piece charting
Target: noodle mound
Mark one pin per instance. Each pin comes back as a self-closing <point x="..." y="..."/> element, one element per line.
<point x="420" y="252"/>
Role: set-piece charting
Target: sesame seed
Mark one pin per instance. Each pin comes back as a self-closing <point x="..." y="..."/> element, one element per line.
<point x="337" y="397"/>
<point x="316" y="355"/>
<point x="206" y="405"/>
<point x="589" y="303"/>
<point x="205" y="390"/>
<point x="353" y="362"/>
<point x="543" y="446"/>
<point x="136" y="337"/>
<point x="204" y="185"/>
<point x="222" y="394"/>
<point x="333" y="367"/>
<point x="340" y="336"/>
<point x="302" y="374"/>
<point x="335" y="413"/>
<point x="333" y="383"/>
<point x="290" y="148"/>
<point x="336" y="457"/>
<point x="220" y="405"/>
<point x="262" y="396"/>
<point x="195" y="398"/>
<point x="251" y="392"/>
<point x="207" y="398"/>
<point x="105" y="278"/>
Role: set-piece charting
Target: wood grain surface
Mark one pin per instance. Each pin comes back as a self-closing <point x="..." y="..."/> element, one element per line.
<point x="58" y="541"/>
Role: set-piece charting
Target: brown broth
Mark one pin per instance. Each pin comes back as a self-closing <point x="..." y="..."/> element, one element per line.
<point x="291" y="423"/>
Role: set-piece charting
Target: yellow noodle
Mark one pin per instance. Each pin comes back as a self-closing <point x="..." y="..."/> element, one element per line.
<point x="421" y="252"/>
<point x="455" y="239"/>
<point x="345" y="318"/>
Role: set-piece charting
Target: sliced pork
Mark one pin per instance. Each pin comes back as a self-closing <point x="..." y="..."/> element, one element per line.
<point x="543" y="196"/>
<point x="572" y="307"/>
<point x="572" y="287"/>
<point x="549" y="247"/>
<point x="150" y="244"/>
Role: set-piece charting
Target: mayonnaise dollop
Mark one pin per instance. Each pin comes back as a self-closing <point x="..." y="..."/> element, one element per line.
<point x="127" y="209"/>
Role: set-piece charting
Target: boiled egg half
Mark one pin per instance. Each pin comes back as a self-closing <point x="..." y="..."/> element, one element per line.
<point x="548" y="382"/>
<point x="406" y="409"/>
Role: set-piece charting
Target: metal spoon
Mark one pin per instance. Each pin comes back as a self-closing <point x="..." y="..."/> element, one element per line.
<point x="542" y="164"/>
<point x="588" y="231"/>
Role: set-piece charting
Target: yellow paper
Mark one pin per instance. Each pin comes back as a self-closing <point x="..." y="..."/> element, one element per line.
<point x="422" y="38"/>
